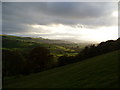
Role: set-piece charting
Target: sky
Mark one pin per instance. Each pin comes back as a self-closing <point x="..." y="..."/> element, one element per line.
<point x="73" y="21"/>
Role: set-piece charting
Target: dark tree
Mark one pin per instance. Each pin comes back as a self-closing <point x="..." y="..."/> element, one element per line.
<point x="39" y="59"/>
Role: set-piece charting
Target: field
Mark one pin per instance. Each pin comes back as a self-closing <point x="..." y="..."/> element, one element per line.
<point x="97" y="72"/>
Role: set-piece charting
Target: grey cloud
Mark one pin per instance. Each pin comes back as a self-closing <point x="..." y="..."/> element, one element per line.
<point x="76" y="10"/>
<point x="17" y="15"/>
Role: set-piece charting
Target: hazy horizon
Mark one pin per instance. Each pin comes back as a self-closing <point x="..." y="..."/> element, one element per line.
<point x="80" y="21"/>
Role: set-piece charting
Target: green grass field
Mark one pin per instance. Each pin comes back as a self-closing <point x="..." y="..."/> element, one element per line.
<point x="97" y="72"/>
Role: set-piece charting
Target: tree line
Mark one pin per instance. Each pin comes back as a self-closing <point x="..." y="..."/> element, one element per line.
<point x="39" y="58"/>
<point x="91" y="51"/>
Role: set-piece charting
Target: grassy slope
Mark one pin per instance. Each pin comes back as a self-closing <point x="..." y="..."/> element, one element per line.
<point x="97" y="72"/>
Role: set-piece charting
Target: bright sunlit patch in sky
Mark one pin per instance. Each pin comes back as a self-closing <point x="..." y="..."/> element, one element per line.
<point x="102" y="34"/>
<point x="60" y="31"/>
<point x="35" y="26"/>
<point x="115" y="14"/>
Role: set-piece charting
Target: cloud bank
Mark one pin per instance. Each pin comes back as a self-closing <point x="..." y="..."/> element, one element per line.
<point x="57" y="19"/>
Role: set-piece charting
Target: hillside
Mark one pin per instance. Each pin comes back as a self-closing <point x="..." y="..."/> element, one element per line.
<point x="40" y="39"/>
<point x="97" y="72"/>
<point x="25" y="44"/>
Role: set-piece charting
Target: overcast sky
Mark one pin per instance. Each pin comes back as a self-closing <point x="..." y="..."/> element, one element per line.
<point x="82" y="21"/>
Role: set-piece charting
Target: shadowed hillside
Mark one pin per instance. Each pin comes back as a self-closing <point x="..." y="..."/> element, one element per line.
<point x="97" y="72"/>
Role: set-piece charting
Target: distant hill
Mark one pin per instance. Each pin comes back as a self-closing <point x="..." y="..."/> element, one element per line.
<point x="97" y="72"/>
<point x="43" y="41"/>
<point x="40" y="39"/>
<point x="25" y="44"/>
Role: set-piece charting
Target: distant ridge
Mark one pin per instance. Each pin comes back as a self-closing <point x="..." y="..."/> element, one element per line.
<point x="49" y="41"/>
